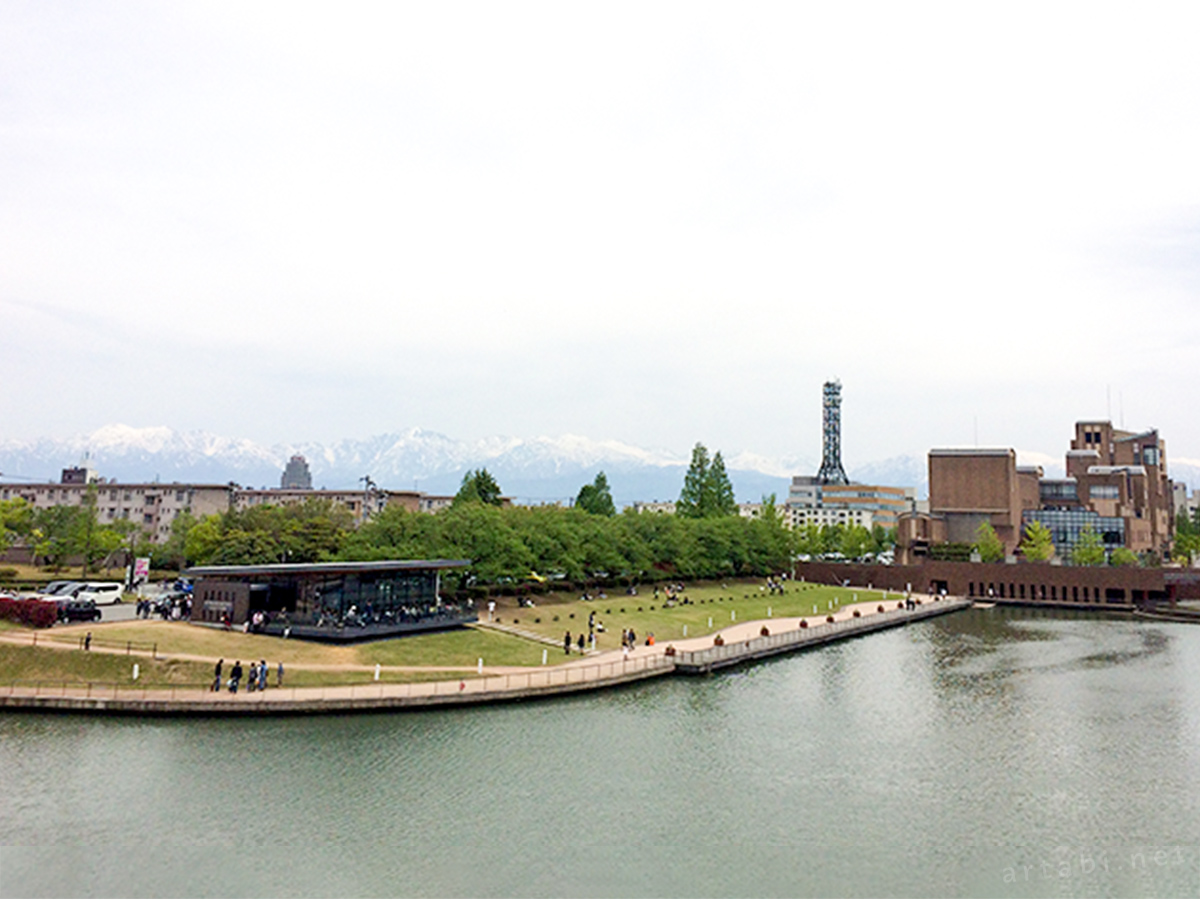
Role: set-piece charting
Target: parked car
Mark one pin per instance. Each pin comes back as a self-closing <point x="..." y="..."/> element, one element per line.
<point x="101" y="592"/>
<point x="78" y="611"/>
<point x="61" y="588"/>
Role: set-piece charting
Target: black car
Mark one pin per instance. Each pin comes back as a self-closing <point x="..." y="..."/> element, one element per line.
<point x="78" y="611"/>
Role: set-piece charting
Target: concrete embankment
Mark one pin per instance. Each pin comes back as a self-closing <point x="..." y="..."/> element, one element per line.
<point x="709" y="659"/>
<point x="698" y="656"/>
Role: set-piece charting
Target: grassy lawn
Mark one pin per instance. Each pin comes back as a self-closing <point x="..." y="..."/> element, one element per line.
<point x="453" y="648"/>
<point x="644" y="613"/>
<point x="462" y="647"/>
<point x="75" y="666"/>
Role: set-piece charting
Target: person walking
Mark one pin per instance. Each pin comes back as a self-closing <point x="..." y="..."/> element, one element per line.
<point x="217" y="675"/>
<point x="87" y="641"/>
<point x="279" y="675"/>
<point x="263" y="671"/>
<point x="235" y="675"/>
<point x="567" y="643"/>
<point x="252" y="677"/>
<point x="582" y="643"/>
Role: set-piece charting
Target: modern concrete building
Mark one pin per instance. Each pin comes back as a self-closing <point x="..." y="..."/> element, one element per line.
<point x="153" y="506"/>
<point x="1116" y="485"/>
<point x="882" y="504"/>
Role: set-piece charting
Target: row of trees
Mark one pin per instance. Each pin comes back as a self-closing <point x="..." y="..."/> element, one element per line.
<point x="1037" y="544"/>
<point x="61" y="533"/>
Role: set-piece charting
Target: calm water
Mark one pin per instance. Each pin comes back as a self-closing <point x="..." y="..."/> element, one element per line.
<point x="995" y="752"/>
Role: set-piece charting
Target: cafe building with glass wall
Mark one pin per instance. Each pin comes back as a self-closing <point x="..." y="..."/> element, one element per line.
<point x="335" y="601"/>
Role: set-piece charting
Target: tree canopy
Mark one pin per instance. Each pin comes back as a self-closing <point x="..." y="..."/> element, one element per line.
<point x="707" y="491"/>
<point x="988" y="544"/>
<point x="596" y="497"/>
<point x="478" y="486"/>
<point x="1089" y="549"/>
<point x="1038" y="543"/>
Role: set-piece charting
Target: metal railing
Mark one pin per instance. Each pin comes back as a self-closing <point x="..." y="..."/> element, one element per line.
<point x="550" y="679"/>
<point x="80" y="640"/>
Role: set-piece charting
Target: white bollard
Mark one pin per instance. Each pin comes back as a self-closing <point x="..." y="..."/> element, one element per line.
<point x="856" y="598"/>
<point x="376" y="671"/>
<point x="135" y="671"/>
<point x="479" y="666"/>
<point x="544" y="652"/>
<point x="814" y="609"/>
<point x="768" y="612"/>
<point x="710" y="621"/>
<point x="685" y="631"/>
<point x="733" y="615"/>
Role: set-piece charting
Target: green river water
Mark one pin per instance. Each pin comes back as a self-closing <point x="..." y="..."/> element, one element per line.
<point x="987" y="752"/>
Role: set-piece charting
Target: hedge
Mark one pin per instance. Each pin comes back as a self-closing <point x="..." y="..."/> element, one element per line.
<point x="31" y="613"/>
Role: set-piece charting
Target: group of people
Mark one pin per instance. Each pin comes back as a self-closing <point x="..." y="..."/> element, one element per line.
<point x="583" y="643"/>
<point x="775" y="585"/>
<point x="256" y="681"/>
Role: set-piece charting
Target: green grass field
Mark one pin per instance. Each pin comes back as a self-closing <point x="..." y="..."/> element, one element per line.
<point x="644" y="613"/>
<point x="35" y="664"/>
<point x="460" y="648"/>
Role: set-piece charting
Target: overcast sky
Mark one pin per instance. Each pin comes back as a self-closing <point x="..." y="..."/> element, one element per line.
<point x="659" y="223"/>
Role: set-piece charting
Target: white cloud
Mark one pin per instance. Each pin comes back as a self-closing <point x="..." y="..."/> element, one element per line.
<point x="657" y="222"/>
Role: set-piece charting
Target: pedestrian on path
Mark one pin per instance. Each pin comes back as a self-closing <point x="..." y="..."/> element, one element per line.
<point x="567" y="643"/>
<point x="582" y="643"/>
<point x="279" y="675"/>
<point x="217" y="675"/>
<point x="235" y="675"/>
<point x="87" y="641"/>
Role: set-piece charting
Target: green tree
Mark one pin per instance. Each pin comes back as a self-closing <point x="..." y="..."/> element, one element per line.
<point x="16" y="520"/>
<point x="596" y="498"/>
<point x="693" y="502"/>
<point x="1123" y="556"/>
<point x="1187" y="537"/>
<point x="988" y="544"/>
<point x="856" y="542"/>
<point x="478" y="487"/>
<point x="707" y="491"/>
<point x="1038" y="543"/>
<point x="721" y="501"/>
<point x="808" y="540"/>
<point x="1089" y="549"/>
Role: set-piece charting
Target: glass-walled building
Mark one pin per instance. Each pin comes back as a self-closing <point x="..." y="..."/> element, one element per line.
<point x="342" y="601"/>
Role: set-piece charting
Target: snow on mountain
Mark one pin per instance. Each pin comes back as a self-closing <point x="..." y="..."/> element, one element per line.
<point x="537" y="469"/>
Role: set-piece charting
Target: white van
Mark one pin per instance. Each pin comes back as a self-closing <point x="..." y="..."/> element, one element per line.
<point x="100" y="592"/>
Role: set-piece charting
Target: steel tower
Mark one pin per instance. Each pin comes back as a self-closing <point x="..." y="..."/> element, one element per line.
<point x="831" y="458"/>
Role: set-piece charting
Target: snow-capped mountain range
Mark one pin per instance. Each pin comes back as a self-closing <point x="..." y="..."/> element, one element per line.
<point x="538" y="469"/>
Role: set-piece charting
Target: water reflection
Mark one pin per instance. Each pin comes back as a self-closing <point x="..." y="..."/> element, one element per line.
<point x="924" y="760"/>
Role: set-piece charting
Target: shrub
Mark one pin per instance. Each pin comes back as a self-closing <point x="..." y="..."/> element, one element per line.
<point x="30" y="613"/>
<point x="804" y="623"/>
<point x="880" y="609"/>
<point x="857" y="614"/>
<point x="829" y="618"/>
<point x="7" y="574"/>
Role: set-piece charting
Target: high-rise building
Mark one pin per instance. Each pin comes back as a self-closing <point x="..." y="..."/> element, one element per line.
<point x="296" y="476"/>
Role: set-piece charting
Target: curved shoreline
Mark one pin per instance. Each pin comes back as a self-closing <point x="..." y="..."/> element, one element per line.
<point x="742" y="643"/>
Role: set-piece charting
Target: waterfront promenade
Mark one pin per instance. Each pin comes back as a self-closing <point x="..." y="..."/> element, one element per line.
<point x="740" y="643"/>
